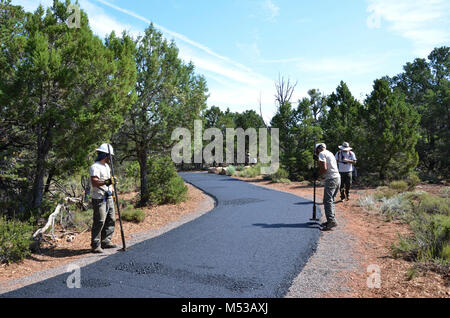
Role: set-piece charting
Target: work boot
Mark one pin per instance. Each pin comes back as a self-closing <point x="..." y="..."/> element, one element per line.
<point x="329" y="225"/>
<point x="109" y="245"/>
<point x="97" y="250"/>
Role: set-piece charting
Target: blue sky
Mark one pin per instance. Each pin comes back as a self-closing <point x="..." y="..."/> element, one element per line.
<point x="241" y="46"/>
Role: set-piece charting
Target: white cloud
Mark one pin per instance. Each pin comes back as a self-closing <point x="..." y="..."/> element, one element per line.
<point x="236" y="86"/>
<point x="424" y="22"/>
<point x="271" y="11"/>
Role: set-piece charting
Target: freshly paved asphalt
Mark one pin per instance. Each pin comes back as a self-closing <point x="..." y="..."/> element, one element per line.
<point x="252" y="244"/>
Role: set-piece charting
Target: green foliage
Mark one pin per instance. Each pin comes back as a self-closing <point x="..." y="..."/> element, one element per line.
<point x="367" y="202"/>
<point x="132" y="170"/>
<point x="343" y="122"/>
<point x="231" y="170"/>
<point x="170" y="95"/>
<point x="133" y="215"/>
<point x="430" y="204"/>
<point x="83" y="220"/>
<point x="413" y="180"/>
<point x="400" y="186"/>
<point x="425" y="82"/>
<point x="251" y="172"/>
<point x="68" y="93"/>
<point x="281" y="176"/>
<point x="391" y="133"/>
<point x="395" y="207"/>
<point x="430" y="241"/>
<point x="15" y="240"/>
<point x="164" y="184"/>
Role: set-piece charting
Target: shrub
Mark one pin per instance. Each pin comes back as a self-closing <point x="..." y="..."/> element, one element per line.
<point x="15" y="240"/>
<point x="133" y="215"/>
<point x="367" y="203"/>
<point x="281" y="174"/>
<point x="83" y="220"/>
<point x="431" y="204"/>
<point x="231" y="170"/>
<point x="430" y="242"/>
<point x="400" y="186"/>
<point x="163" y="183"/>
<point x="384" y="192"/>
<point x="445" y="192"/>
<point x="412" y="180"/>
<point x="251" y="172"/>
<point x="396" y="207"/>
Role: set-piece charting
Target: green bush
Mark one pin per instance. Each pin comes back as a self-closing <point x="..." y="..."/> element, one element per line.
<point x="400" y="186"/>
<point x="430" y="242"/>
<point x="445" y="192"/>
<point x="412" y="180"/>
<point x="396" y="207"/>
<point x="163" y="183"/>
<point x="431" y="204"/>
<point x="251" y="172"/>
<point x="281" y="176"/>
<point x="83" y="220"/>
<point x="15" y="240"/>
<point x="231" y="170"/>
<point x="133" y="215"/>
<point x="384" y="192"/>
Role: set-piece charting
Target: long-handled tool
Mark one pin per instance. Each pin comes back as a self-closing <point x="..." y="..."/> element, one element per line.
<point x="117" y="199"/>
<point x="314" y="216"/>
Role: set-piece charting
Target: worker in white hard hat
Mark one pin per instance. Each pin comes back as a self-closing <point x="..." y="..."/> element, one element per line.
<point x="102" y="200"/>
<point x="329" y="170"/>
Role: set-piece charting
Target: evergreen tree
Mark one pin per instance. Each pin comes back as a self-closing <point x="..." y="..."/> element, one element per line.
<point x="69" y="93"/>
<point x="391" y="132"/>
<point x="169" y="95"/>
<point x="342" y="123"/>
<point x="425" y="84"/>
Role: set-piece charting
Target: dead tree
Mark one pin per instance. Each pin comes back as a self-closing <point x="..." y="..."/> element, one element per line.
<point x="285" y="90"/>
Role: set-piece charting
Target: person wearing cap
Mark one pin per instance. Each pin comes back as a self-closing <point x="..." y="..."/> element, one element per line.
<point x="346" y="159"/>
<point x="102" y="201"/>
<point x="329" y="170"/>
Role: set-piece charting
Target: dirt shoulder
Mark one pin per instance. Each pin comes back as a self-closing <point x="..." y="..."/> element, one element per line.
<point x="158" y="220"/>
<point x="339" y="268"/>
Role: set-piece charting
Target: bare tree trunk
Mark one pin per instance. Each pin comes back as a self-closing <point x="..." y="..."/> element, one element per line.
<point x="38" y="185"/>
<point x="142" y="158"/>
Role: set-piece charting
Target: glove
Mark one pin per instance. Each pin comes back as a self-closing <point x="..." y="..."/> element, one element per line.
<point x="110" y="181"/>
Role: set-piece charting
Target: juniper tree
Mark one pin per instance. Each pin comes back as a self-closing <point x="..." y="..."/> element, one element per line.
<point x="69" y="93"/>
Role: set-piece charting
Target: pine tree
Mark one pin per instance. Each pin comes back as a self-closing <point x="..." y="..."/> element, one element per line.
<point x="169" y="95"/>
<point x="70" y="93"/>
<point x="391" y="132"/>
<point x="342" y="123"/>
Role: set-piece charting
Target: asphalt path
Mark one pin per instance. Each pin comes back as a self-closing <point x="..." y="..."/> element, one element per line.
<point x="251" y="245"/>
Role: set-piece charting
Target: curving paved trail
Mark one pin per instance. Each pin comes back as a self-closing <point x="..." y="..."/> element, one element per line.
<point x="252" y="244"/>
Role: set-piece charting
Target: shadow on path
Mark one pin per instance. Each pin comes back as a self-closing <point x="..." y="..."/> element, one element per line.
<point x="309" y="225"/>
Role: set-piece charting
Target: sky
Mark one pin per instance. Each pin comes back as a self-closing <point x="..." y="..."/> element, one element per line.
<point x="242" y="47"/>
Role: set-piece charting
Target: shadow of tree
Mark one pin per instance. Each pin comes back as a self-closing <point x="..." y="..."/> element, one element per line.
<point x="63" y="253"/>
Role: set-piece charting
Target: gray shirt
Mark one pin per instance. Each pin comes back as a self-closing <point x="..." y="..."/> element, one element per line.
<point x="103" y="173"/>
<point x="328" y="157"/>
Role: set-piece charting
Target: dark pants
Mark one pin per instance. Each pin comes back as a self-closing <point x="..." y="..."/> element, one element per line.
<point x="104" y="222"/>
<point x="346" y="183"/>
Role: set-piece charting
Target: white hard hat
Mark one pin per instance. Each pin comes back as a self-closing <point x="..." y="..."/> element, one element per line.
<point x="321" y="145"/>
<point x="104" y="148"/>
